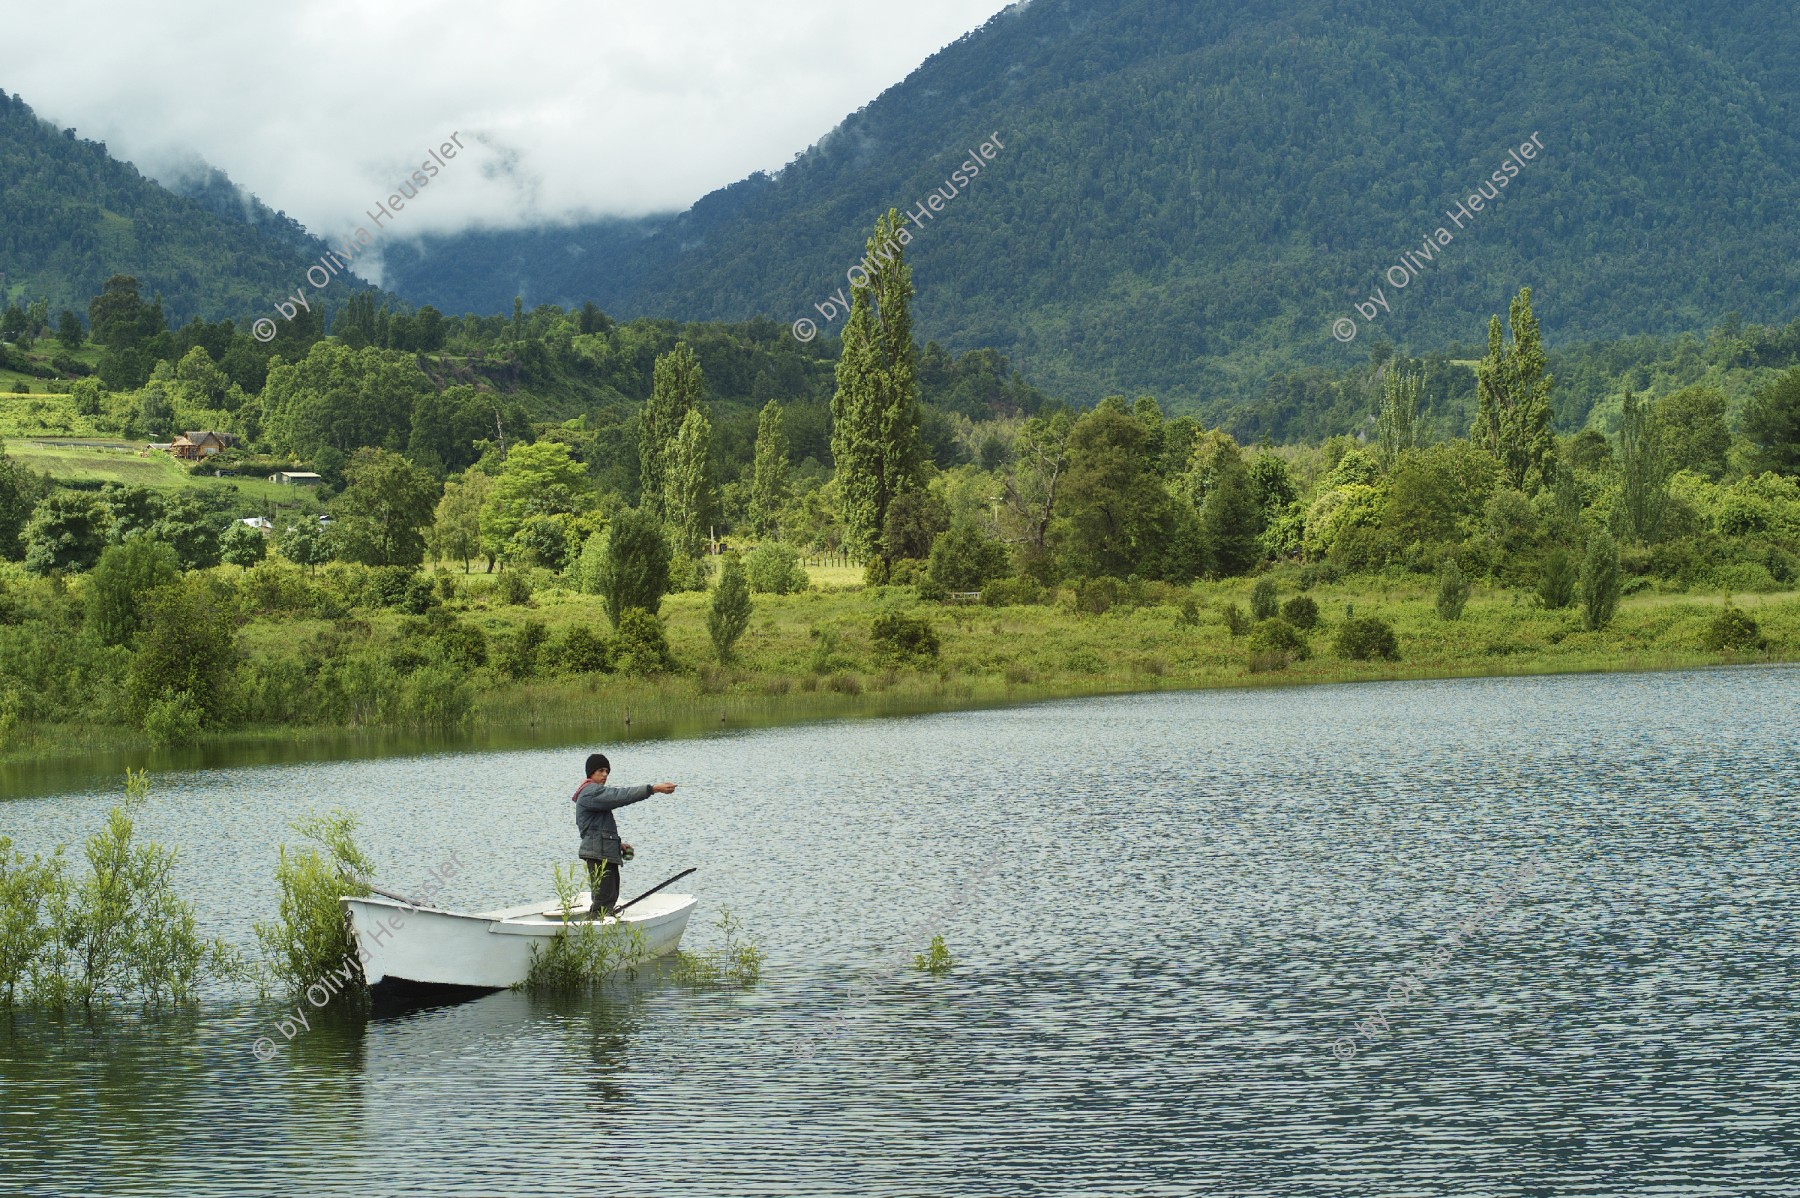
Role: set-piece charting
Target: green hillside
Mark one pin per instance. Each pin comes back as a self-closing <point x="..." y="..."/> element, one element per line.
<point x="72" y="217"/>
<point x="1192" y="191"/>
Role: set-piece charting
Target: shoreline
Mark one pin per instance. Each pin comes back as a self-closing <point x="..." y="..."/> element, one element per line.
<point x="67" y="758"/>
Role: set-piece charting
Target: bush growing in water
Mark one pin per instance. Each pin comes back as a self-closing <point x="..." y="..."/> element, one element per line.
<point x="310" y="937"/>
<point x="1301" y="612"/>
<point x="936" y="959"/>
<point x="1264" y="601"/>
<point x="120" y="933"/>
<point x="583" y="952"/>
<point x="1364" y="638"/>
<point x="1453" y="591"/>
<point x="736" y="961"/>
<point x="903" y="640"/>
<point x="1733" y="631"/>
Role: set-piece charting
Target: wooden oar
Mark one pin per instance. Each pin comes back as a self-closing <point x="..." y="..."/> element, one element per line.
<point x="640" y="898"/>
<point x="398" y="898"/>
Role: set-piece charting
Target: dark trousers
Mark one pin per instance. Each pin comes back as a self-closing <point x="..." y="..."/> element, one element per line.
<point x="603" y="881"/>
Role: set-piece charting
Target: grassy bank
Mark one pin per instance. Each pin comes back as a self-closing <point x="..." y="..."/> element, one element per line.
<point x="811" y="656"/>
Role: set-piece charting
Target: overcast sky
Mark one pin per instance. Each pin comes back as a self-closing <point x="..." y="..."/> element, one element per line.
<point x="577" y="106"/>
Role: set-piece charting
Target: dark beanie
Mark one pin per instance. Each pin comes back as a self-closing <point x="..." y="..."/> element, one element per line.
<point x="597" y="761"/>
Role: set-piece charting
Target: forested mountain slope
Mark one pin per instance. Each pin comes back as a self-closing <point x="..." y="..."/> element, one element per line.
<point x="1192" y="191"/>
<point x="71" y="217"/>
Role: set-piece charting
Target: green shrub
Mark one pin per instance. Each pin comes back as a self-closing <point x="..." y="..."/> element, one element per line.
<point x="1011" y="592"/>
<point x="1301" y="612"/>
<point x="1265" y="603"/>
<point x="521" y="653"/>
<point x="438" y="696"/>
<point x="729" y="614"/>
<point x="1189" y="614"/>
<point x="584" y="953"/>
<point x="310" y="938"/>
<point x="901" y="640"/>
<point x="122" y="581"/>
<point x="1364" y="638"/>
<point x="736" y="961"/>
<point x="583" y="651"/>
<point x="1453" y="591"/>
<point x="1557" y="579"/>
<point x="188" y="646"/>
<point x="174" y="719"/>
<point x="1097" y="596"/>
<point x="1733" y="631"/>
<point x="936" y="959"/>
<point x="1601" y="582"/>
<point x="773" y="568"/>
<point x="966" y="559"/>
<point x="1274" y="644"/>
<point x="689" y="574"/>
<point x="642" y="646"/>
<point x="1236" y="622"/>
<point x="513" y="588"/>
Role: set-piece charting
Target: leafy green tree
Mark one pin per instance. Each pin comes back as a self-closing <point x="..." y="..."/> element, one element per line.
<point x="730" y="611"/>
<point x="1453" y="591"/>
<point x="769" y="477"/>
<point x="1032" y="487"/>
<point x="875" y="439"/>
<point x="915" y="519"/>
<point x="69" y="331"/>
<point x="305" y="543"/>
<point x="689" y="497"/>
<point x="1230" y="522"/>
<point x="340" y="399"/>
<point x="66" y="534"/>
<point x="1694" y="431"/>
<point x="627" y="564"/>
<point x="1644" y="467"/>
<point x="120" y="319"/>
<point x="641" y="644"/>
<point x="964" y="558"/>
<point x="1397" y="426"/>
<point x="456" y="527"/>
<point x="187" y="651"/>
<point x="1513" y="390"/>
<point x="1602" y="582"/>
<point x="540" y="479"/>
<point x="678" y="387"/>
<point x="20" y="491"/>
<point x="156" y="412"/>
<point x="242" y="545"/>
<point x="1265" y="599"/>
<point x="121" y="584"/>
<point x="1771" y="423"/>
<point x="1118" y="518"/>
<point x="384" y="506"/>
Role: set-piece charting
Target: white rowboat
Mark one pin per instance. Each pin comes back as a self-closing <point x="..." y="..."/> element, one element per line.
<point x="491" y="950"/>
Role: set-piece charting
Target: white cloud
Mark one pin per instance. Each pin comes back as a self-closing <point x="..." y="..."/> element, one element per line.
<point x="579" y="108"/>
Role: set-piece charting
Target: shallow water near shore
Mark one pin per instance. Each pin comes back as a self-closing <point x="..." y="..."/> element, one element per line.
<point x="1180" y="923"/>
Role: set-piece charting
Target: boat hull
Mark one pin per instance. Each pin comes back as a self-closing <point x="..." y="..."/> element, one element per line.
<point x="489" y="951"/>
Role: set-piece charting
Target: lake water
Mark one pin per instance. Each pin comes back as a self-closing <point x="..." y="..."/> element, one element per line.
<point x="1180" y="923"/>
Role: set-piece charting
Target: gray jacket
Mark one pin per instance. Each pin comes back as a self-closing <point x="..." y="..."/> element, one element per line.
<point x="594" y="807"/>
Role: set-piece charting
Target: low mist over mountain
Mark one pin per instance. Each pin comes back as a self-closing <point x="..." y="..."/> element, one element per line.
<point x="1192" y="192"/>
<point x="71" y="216"/>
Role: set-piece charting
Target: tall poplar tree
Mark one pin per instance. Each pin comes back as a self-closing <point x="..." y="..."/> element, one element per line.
<point x="1514" y="391"/>
<point x="688" y="484"/>
<point x="677" y="388"/>
<point x="769" y="472"/>
<point x="875" y="410"/>
<point x="1399" y="422"/>
<point x="1644" y="466"/>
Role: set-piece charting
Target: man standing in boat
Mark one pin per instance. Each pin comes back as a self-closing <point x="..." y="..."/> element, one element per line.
<point x="601" y="847"/>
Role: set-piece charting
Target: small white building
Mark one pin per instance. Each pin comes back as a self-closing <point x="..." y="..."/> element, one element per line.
<point x="296" y="478"/>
